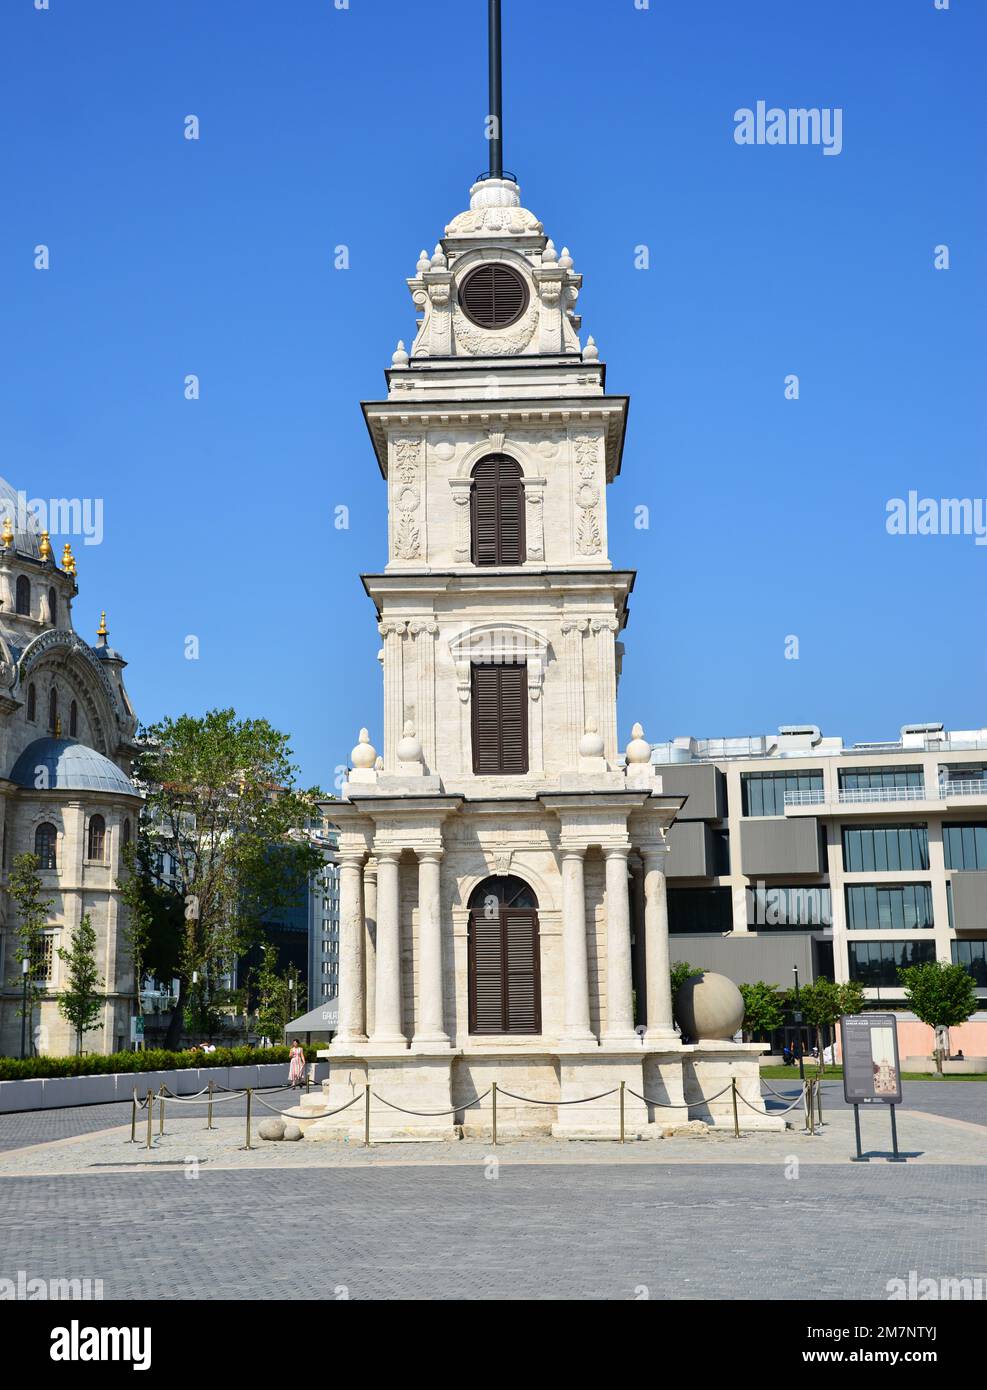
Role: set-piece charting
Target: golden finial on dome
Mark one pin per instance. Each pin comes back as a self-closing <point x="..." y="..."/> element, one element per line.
<point x="7" y="534"/>
<point x="68" y="559"/>
<point x="44" y="546"/>
<point x="102" y="630"/>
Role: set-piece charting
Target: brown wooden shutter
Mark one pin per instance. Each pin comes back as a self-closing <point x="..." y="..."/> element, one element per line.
<point x="497" y="512"/>
<point x="504" y="973"/>
<point x="493" y="296"/>
<point x="523" y="992"/>
<point x="500" y="719"/>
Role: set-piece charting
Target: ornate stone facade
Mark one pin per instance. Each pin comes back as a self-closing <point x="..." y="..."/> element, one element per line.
<point x="66" y="741"/>
<point x="581" y="830"/>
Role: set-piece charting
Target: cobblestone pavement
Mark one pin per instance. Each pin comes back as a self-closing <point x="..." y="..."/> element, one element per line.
<point x="590" y="1231"/>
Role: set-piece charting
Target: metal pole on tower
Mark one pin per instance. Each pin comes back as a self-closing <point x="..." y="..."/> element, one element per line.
<point x="495" y="114"/>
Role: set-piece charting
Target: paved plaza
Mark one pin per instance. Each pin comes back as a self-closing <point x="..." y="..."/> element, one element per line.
<point x="769" y="1215"/>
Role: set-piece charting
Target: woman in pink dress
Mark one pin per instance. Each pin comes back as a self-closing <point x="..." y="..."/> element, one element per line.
<point x="296" y="1071"/>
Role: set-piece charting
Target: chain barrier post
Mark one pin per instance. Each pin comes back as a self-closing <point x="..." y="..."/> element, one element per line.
<point x="150" y="1109"/>
<point x="161" y="1101"/>
<point x="812" y="1106"/>
<point x="133" y="1120"/>
<point x="493" y="1092"/>
<point x="209" y="1123"/>
<point x="250" y="1096"/>
<point x="736" y="1117"/>
<point x="819" y="1091"/>
<point x="622" y="1112"/>
<point x="366" y="1117"/>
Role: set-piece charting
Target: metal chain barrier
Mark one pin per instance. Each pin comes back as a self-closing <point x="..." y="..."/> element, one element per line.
<point x="583" y="1100"/>
<point x="688" y="1105"/>
<point x="433" y="1114"/>
<point x="799" y="1100"/>
<point x="325" y="1113"/>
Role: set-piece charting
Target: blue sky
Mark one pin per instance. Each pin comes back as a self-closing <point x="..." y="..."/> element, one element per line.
<point x="363" y="126"/>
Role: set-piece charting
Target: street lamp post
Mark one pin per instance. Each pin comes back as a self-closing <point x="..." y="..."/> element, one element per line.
<point x="798" y="1022"/>
<point x="25" y="972"/>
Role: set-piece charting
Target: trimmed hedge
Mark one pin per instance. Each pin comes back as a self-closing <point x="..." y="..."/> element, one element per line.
<point x="156" y="1059"/>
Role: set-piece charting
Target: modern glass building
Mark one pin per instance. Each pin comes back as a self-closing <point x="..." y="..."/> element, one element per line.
<point x="793" y="850"/>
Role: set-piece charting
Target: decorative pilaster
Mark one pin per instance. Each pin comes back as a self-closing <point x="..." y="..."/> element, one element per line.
<point x="534" y="518"/>
<point x="387" y="1015"/>
<point x="657" y="964"/>
<point x="424" y="631"/>
<point x="461" y="491"/>
<point x="572" y="630"/>
<point x="407" y="491"/>
<point x="352" y="1008"/>
<point x="430" y="1031"/>
<point x="620" y="997"/>
<point x="575" y="956"/>
<point x="393" y="634"/>
<point x="606" y="629"/>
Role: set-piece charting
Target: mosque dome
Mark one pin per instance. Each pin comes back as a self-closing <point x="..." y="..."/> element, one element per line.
<point x="71" y="766"/>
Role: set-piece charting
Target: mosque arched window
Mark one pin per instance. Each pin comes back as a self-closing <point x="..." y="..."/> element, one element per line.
<point x="73" y="720"/>
<point x="53" y="607"/>
<point x="96" y="848"/>
<point x="52" y="710"/>
<point x="45" y="841"/>
<point x="23" y="596"/>
<point x="497" y="512"/>
<point x="32" y="703"/>
<point x="504" y="958"/>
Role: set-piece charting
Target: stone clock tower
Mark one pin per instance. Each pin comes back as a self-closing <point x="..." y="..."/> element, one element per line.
<point x="503" y="910"/>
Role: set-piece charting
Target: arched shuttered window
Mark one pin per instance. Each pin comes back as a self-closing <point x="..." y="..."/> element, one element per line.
<point x="32" y="703"/>
<point x="497" y="512"/>
<point x="504" y="964"/>
<point x="45" y="840"/>
<point x="97" y="838"/>
<point x="23" y="595"/>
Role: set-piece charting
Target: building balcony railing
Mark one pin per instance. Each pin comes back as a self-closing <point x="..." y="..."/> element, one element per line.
<point x="972" y="787"/>
<point x="855" y="796"/>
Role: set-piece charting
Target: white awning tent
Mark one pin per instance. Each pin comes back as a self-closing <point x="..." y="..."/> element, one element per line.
<point x="323" y="1019"/>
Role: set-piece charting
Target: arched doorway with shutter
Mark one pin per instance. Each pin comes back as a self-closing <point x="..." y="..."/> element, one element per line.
<point x="504" y="958"/>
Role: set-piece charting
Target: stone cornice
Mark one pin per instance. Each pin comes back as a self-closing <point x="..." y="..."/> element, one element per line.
<point x="575" y="411"/>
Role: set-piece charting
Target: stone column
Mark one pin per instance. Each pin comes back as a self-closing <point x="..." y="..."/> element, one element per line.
<point x="657" y="964"/>
<point x="370" y="936"/>
<point x="387" y="1016"/>
<point x="393" y="635"/>
<point x="430" y="1030"/>
<point x="575" y="959"/>
<point x="605" y="629"/>
<point x="352" y="1016"/>
<point x="620" y="998"/>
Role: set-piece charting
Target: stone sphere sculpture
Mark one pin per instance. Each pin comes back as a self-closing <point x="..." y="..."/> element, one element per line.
<point x="364" y="755"/>
<point x="292" y="1132"/>
<point x="709" y="1007"/>
<point x="271" y="1128"/>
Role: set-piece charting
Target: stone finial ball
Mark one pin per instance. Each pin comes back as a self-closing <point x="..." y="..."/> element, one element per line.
<point x="639" y="749"/>
<point x="364" y="755"/>
<point x="709" y="1007"/>
<point x="271" y="1128"/>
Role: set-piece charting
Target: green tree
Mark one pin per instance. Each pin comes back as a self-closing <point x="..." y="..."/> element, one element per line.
<point x="223" y="804"/>
<point x="822" y="1003"/>
<point x="80" y="1002"/>
<point x="941" y="995"/>
<point x="764" y="1007"/>
<point x="33" y="912"/>
<point x="278" y="995"/>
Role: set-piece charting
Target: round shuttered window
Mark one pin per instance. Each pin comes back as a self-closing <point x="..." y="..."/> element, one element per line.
<point x="493" y="296"/>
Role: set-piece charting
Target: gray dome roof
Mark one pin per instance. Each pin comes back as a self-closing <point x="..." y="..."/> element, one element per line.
<point x="72" y="766"/>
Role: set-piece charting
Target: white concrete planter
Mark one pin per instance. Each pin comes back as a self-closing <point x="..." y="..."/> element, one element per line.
<point x="59" y="1091"/>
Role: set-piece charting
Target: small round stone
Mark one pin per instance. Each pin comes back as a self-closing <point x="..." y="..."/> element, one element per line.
<point x="271" y="1128"/>
<point x="292" y="1132"/>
